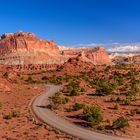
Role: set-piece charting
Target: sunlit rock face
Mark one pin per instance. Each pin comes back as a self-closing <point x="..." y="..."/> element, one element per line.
<point x="26" y="48"/>
<point x="23" y="48"/>
<point x="95" y="56"/>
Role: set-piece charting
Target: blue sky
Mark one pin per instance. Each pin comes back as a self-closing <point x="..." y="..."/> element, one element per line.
<point x="71" y="22"/>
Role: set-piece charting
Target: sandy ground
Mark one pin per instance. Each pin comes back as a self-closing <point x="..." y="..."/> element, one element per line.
<point x="109" y="113"/>
<point x="24" y="126"/>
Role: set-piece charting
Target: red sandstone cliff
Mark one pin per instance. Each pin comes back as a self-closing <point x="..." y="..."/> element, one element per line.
<point x="95" y="56"/>
<point x="25" y="48"/>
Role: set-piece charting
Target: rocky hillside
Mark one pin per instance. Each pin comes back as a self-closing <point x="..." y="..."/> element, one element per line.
<point x="26" y="48"/>
<point x="125" y="58"/>
<point x="95" y="56"/>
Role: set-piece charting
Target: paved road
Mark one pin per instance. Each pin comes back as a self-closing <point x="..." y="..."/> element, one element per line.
<point x="49" y="117"/>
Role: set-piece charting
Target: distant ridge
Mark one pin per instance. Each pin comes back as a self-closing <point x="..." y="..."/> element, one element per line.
<point x="24" y="48"/>
<point x="125" y="49"/>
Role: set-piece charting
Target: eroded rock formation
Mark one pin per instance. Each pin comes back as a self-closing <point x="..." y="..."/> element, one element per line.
<point x="95" y="56"/>
<point x="26" y="49"/>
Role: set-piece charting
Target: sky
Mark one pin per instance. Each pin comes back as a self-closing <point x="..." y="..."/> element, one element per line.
<point x="71" y="22"/>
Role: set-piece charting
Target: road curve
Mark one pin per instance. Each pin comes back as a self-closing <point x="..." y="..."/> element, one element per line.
<point x="47" y="116"/>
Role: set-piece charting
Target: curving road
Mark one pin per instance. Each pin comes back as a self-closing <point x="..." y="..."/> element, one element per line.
<point x="46" y="115"/>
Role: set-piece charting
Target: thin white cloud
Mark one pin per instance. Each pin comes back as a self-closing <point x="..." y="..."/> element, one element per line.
<point x="125" y="48"/>
<point x="82" y="45"/>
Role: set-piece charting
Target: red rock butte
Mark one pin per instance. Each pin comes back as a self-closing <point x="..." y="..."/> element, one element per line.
<point x="25" y="48"/>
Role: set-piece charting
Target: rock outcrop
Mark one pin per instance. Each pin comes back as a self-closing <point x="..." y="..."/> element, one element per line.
<point x="131" y="58"/>
<point x="26" y="49"/>
<point x="95" y="56"/>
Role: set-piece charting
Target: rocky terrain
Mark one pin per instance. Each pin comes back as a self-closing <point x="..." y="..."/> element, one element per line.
<point x="16" y="118"/>
<point x="111" y="91"/>
<point x="95" y="56"/>
<point x="131" y="58"/>
<point x="93" y="83"/>
<point x="24" y="48"/>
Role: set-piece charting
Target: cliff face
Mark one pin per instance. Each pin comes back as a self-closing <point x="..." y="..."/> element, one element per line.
<point x="25" y="48"/>
<point x="125" y="58"/>
<point x="90" y="55"/>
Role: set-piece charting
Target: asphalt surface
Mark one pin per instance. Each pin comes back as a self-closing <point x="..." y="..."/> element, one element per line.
<point x="39" y="108"/>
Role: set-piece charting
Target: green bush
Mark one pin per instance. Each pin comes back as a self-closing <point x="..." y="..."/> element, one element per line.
<point x="116" y="107"/>
<point x="103" y="87"/>
<point x="121" y="66"/>
<point x="74" y="92"/>
<point x="114" y="99"/>
<point x="10" y="115"/>
<point x="121" y="122"/>
<point x="101" y="127"/>
<point x="107" y="68"/>
<point x="78" y="106"/>
<point x="5" y="75"/>
<point x="44" y="78"/>
<point x="74" y="89"/>
<point x="131" y="74"/>
<point x="134" y="88"/>
<point x="137" y="111"/>
<point x="93" y="114"/>
<point x="119" y="79"/>
<point x="31" y="81"/>
<point x="127" y="101"/>
<point x="59" y="99"/>
<point x="56" y="80"/>
<point x="133" y="112"/>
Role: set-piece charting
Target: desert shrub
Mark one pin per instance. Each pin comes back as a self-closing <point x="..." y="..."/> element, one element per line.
<point x="107" y="68"/>
<point x="121" y="122"/>
<point x="101" y="127"/>
<point x="127" y="101"/>
<point x="59" y="99"/>
<point x="56" y="80"/>
<point x="93" y="114"/>
<point x="10" y="115"/>
<point x="84" y="75"/>
<point x="116" y="107"/>
<point x="121" y="66"/>
<point x="103" y="87"/>
<point x="44" y="78"/>
<point x="119" y="79"/>
<point x="134" y="88"/>
<point x="82" y="90"/>
<point x="132" y="112"/>
<point x="67" y="77"/>
<point x="74" y="89"/>
<point x="137" y="111"/>
<point x="60" y="68"/>
<point x="5" y="75"/>
<point x="78" y="106"/>
<point x="132" y="74"/>
<point x="114" y="99"/>
<point x="50" y="106"/>
<point x="74" y="92"/>
<point x="131" y="93"/>
<point x="30" y="80"/>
